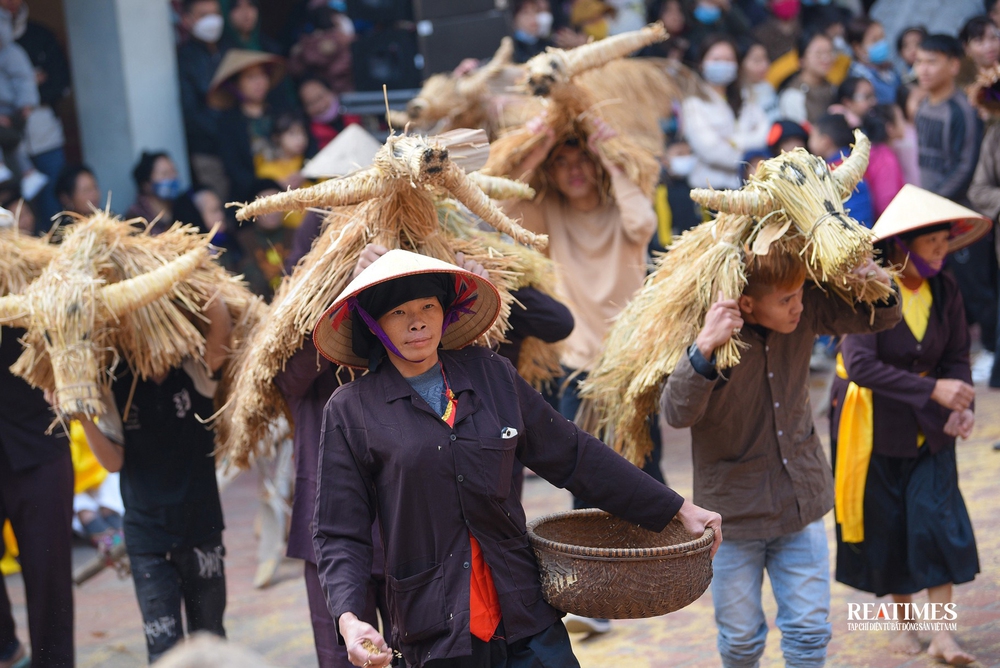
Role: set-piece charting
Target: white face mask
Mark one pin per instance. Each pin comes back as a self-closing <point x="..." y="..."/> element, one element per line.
<point x="841" y="45"/>
<point x="208" y="28"/>
<point x="682" y="165"/>
<point x="719" y="72"/>
<point x="544" y="23"/>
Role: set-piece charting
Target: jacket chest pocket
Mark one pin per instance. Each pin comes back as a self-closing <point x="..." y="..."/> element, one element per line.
<point x="498" y="464"/>
<point x="418" y="604"/>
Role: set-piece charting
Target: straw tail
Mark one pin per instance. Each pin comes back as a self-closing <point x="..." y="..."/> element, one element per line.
<point x="14" y="311"/>
<point x="335" y="192"/>
<point x="500" y="188"/>
<point x="598" y="53"/>
<point x="746" y="202"/>
<point x="465" y="191"/>
<point x="850" y="172"/>
<point x="134" y="293"/>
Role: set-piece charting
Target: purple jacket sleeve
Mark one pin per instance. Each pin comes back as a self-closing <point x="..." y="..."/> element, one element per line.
<point x="569" y="457"/>
<point x="301" y="371"/>
<point x="864" y="368"/>
<point x="542" y="317"/>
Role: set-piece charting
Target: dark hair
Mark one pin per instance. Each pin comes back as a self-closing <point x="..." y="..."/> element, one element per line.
<point x="875" y="121"/>
<point x="747" y="45"/>
<point x="286" y="121"/>
<point x="807" y="38"/>
<point x="903" y="98"/>
<point x="975" y="28"/>
<point x="260" y="185"/>
<point x="186" y="5"/>
<point x="819" y="18"/>
<point x="920" y="30"/>
<point x="856" y="28"/>
<point x="518" y="5"/>
<point x="943" y="44"/>
<point x="142" y="173"/>
<point x="836" y="127"/>
<point x="734" y="93"/>
<point x="655" y="9"/>
<point x="66" y="181"/>
<point x="311" y="79"/>
<point x="186" y="211"/>
<point x="849" y="88"/>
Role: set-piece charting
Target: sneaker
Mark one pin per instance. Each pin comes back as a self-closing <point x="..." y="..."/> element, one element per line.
<point x="19" y="659"/>
<point x="588" y="625"/>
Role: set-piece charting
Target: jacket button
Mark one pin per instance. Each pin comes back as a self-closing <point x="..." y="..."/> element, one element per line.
<point x="461" y="478"/>
<point x="465" y="565"/>
<point x="777" y="404"/>
<point x="784" y="461"/>
<point x="453" y="437"/>
<point x="918" y="347"/>
<point x="781" y="433"/>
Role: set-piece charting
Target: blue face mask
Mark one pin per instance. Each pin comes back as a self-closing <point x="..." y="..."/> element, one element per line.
<point x="878" y="53"/>
<point x="338" y="6"/>
<point x="167" y="189"/>
<point x="707" y="14"/>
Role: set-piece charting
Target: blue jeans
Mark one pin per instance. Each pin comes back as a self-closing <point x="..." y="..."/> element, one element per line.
<point x="798" y="565"/>
<point x="47" y="204"/>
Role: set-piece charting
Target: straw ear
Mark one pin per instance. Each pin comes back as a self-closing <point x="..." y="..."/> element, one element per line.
<point x="849" y="173"/>
<point x="14" y="311"/>
<point x="133" y="293"/>
<point x="754" y="203"/>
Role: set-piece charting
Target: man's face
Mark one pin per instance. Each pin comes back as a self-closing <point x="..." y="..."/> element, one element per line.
<point x="779" y="310"/>
<point x="414" y="327"/>
<point x="573" y="172"/>
<point x="934" y="70"/>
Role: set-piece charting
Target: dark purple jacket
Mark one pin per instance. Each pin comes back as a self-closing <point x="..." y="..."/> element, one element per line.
<point x="385" y="452"/>
<point x="890" y="363"/>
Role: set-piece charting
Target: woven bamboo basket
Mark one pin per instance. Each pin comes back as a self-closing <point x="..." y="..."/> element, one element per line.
<point x="596" y="565"/>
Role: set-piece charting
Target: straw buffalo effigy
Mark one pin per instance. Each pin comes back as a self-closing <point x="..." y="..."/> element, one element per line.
<point x="793" y="204"/>
<point x="111" y="291"/>
<point x="394" y="203"/>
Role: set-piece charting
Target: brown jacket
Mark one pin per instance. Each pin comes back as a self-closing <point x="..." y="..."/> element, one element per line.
<point x="385" y="453"/>
<point x="984" y="191"/>
<point x="757" y="458"/>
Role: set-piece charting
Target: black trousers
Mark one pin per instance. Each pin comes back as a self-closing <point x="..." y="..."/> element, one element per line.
<point x="193" y="575"/>
<point x="975" y="269"/>
<point x="549" y="649"/>
<point x="39" y="504"/>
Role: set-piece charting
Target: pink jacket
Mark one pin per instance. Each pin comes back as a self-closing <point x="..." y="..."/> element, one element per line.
<point x="884" y="177"/>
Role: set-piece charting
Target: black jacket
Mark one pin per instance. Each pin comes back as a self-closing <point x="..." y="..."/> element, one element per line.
<point x="195" y="66"/>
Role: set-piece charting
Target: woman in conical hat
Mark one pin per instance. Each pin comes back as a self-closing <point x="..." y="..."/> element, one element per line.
<point x="426" y="443"/>
<point x="900" y="399"/>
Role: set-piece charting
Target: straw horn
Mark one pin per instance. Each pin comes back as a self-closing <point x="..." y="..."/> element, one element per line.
<point x="849" y="173"/>
<point x="133" y="293"/>
<point x="336" y="192"/>
<point x="595" y="54"/>
<point x="14" y="311"/>
<point x="475" y="80"/>
<point x="500" y="188"/>
<point x="756" y="203"/>
<point x="458" y="183"/>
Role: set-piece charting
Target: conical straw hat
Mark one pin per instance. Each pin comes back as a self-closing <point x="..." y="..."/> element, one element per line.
<point x="913" y="208"/>
<point x="234" y="62"/>
<point x="333" y="333"/>
<point x="354" y="148"/>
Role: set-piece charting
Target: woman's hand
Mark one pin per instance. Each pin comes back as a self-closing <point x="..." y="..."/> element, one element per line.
<point x="954" y="394"/>
<point x="722" y="322"/>
<point x="696" y="519"/>
<point x="371" y="253"/>
<point x="601" y="133"/>
<point x="471" y="265"/>
<point x="357" y="635"/>
<point x="960" y="423"/>
<point x="869" y="269"/>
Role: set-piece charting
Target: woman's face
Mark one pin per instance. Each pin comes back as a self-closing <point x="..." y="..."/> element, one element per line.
<point x="818" y="57"/>
<point x="862" y="101"/>
<point x="931" y="248"/>
<point x="86" y="196"/>
<point x="209" y="206"/>
<point x="573" y="172"/>
<point x="243" y="17"/>
<point x="755" y="64"/>
<point x="672" y="17"/>
<point x="316" y="98"/>
<point x="294" y="141"/>
<point x="163" y="170"/>
<point x="984" y="51"/>
<point x="911" y="41"/>
<point x="723" y="51"/>
<point x="415" y="328"/>
<point x="874" y="34"/>
<point x="253" y="84"/>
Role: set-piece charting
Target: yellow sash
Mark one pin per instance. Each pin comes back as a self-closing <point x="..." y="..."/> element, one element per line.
<point x="8" y="564"/>
<point x="87" y="471"/>
<point x="664" y="216"/>
<point x="854" y="452"/>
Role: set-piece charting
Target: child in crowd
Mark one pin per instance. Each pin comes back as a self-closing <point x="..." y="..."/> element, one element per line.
<point x="884" y="174"/>
<point x="282" y="161"/>
<point x="831" y="139"/>
<point x="903" y="133"/>
<point x="757" y="457"/>
<point x="173" y="517"/>
<point x="264" y="245"/>
<point x="786" y="136"/>
<point x="321" y="104"/>
<point x="855" y="98"/>
<point x="906" y="46"/>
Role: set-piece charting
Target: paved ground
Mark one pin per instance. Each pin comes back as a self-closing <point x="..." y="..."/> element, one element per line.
<point x="275" y="622"/>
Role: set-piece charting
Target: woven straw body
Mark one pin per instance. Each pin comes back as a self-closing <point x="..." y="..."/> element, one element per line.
<point x="596" y="565"/>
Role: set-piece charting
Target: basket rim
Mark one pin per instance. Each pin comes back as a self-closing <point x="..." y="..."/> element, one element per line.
<point x="689" y="548"/>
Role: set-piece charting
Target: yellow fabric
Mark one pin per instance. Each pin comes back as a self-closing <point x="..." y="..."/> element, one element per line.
<point x="87" y="471"/>
<point x="278" y="170"/>
<point x="664" y="216"/>
<point x="854" y="452"/>
<point x="788" y="64"/>
<point x="8" y="564"/>
<point x="917" y="309"/>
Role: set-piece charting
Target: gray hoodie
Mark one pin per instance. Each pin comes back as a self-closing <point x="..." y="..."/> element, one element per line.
<point x="17" y="77"/>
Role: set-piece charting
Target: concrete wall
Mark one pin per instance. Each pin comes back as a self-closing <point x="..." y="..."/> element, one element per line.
<point x="124" y="68"/>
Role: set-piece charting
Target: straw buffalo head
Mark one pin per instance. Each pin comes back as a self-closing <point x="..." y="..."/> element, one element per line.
<point x="71" y="310"/>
